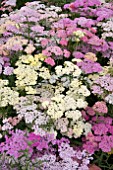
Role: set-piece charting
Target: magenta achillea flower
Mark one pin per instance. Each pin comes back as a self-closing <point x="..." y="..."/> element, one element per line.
<point x="42" y="149"/>
<point x="88" y="112"/>
<point x="14" y="144"/>
<point x="102" y="135"/>
<point x="20" y="141"/>
<point x="39" y="142"/>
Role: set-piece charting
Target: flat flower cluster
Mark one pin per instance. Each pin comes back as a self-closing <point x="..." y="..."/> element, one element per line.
<point x="56" y="86"/>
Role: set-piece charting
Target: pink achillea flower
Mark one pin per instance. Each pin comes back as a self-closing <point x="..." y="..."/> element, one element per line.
<point x="63" y="42"/>
<point x="100" y="107"/>
<point x="88" y="112"/>
<point x="50" y="61"/>
<point x="66" y="53"/>
<point x="44" y="42"/>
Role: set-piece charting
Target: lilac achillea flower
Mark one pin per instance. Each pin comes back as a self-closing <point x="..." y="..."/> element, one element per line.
<point x="8" y="70"/>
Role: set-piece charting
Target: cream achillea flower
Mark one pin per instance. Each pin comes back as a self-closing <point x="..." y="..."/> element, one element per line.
<point x="24" y="76"/>
<point x="7" y="95"/>
<point x="56" y="107"/>
<point x="3" y="83"/>
<point x="78" y="91"/>
<point x="78" y="129"/>
<point x="67" y="107"/>
<point x="78" y="34"/>
<point x="59" y="88"/>
<point x="70" y="103"/>
<point x="81" y="128"/>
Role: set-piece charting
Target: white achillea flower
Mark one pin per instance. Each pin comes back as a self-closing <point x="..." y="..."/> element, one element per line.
<point x="11" y="2"/>
<point x="66" y="107"/>
<point x="77" y="72"/>
<point x="103" y="1"/>
<point x="7" y="126"/>
<point x="77" y="35"/>
<point x="69" y="68"/>
<point x="30" y="116"/>
<point x="75" y="83"/>
<point x="70" y="103"/>
<point x="83" y="91"/>
<point x="66" y="81"/>
<point x="53" y="79"/>
<point x="107" y="28"/>
<point x="1" y="136"/>
<point x="73" y="114"/>
<point x="87" y="128"/>
<point x="59" y="89"/>
<point x="109" y="98"/>
<point x="58" y="70"/>
<point x="45" y="104"/>
<point x="54" y="112"/>
<point x="81" y="103"/>
<point x="44" y="73"/>
<point x="62" y="124"/>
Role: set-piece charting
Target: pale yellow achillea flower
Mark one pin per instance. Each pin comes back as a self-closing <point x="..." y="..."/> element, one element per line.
<point x="30" y="90"/>
<point x="40" y="57"/>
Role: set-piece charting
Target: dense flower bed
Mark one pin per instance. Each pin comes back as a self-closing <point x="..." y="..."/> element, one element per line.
<point x="56" y="86"/>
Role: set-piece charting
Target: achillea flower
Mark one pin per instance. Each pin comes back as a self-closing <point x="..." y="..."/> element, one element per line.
<point x="50" y="61"/>
<point x="100" y="107"/>
<point x="89" y="66"/>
